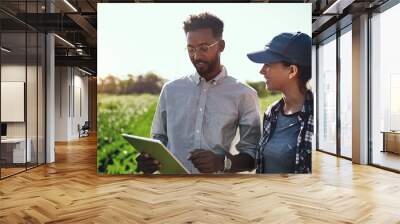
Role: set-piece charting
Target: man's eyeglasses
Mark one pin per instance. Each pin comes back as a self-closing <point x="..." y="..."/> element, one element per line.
<point x="202" y="48"/>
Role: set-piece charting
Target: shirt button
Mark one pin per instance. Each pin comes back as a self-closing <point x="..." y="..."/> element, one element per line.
<point x="201" y="109"/>
<point x="204" y="90"/>
<point x="197" y="131"/>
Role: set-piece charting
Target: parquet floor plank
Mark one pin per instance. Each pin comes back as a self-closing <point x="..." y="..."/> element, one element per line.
<point x="70" y="191"/>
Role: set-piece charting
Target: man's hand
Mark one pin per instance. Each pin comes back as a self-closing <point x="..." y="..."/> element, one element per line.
<point x="147" y="164"/>
<point x="206" y="161"/>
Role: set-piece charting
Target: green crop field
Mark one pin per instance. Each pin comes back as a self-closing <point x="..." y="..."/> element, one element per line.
<point x="130" y="114"/>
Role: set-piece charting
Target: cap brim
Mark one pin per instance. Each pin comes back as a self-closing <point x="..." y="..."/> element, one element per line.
<point x="266" y="56"/>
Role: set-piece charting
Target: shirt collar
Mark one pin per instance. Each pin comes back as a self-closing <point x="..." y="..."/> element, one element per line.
<point x="306" y="110"/>
<point x="215" y="81"/>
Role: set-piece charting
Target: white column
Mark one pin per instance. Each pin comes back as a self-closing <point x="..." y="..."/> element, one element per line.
<point x="360" y="90"/>
<point x="50" y="93"/>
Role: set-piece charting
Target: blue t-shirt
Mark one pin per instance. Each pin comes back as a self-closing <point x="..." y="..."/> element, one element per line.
<point x="280" y="150"/>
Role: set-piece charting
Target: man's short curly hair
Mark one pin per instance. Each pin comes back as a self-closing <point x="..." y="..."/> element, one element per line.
<point x="204" y="20"/>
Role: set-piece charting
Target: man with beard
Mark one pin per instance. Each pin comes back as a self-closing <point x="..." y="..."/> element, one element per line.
<point x="197" y="115"/>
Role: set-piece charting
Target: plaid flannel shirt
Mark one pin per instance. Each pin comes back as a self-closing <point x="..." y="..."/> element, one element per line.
<point x="304" y="140"/>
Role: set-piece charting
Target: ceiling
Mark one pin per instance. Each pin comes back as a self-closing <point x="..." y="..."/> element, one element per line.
<point x="75" y="21"/>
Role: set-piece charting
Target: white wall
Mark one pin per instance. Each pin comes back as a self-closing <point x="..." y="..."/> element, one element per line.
<point x="71" y="94"/>
<point x="13" y="73"/>
<point x="33" y="126"/>
<point x="80" y="110"/>
<point x="62" y="81"/>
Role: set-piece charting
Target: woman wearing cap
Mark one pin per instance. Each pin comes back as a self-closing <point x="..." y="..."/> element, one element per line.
<point x="285" y="146"/>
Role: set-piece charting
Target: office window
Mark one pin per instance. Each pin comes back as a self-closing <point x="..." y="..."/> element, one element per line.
<point x="22" y="92"/>
<point x="346" y="93"/>
<point x="14" y="152"/>
<point x="385" y="89"/>
<point x="327" y="95"/>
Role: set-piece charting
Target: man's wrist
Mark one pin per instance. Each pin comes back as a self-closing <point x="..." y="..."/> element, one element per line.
<point x="221" y="162"/>
<point x="227" y="164"/>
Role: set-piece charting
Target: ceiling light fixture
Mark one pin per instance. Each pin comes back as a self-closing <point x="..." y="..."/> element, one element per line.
<point x="84" y="71"/>
<point x="64" y="40"/>
<point x="5" y="50"/>
<point x="337" y="7"/>
<point x="70" y="5"/>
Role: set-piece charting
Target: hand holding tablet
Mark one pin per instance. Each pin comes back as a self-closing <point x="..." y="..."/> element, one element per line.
<point x="147" y="164"/>
<point x="158" y="154"/>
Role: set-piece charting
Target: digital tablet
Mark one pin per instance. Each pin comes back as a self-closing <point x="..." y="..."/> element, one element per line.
<point x="169" y="163"/>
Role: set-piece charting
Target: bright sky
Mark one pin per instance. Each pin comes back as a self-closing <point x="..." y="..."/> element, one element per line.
<point x="135" y="38"/>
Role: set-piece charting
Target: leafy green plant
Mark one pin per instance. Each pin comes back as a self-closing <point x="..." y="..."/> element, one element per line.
<point x="118" y="114"/>
<point x="131" y="114"/>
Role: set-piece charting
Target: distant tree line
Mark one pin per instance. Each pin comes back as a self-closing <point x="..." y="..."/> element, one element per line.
<point x="148" y="83"/>
<point x="151" y="83"/>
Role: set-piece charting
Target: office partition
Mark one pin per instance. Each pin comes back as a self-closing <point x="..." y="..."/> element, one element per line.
<point x="22" y="78"/>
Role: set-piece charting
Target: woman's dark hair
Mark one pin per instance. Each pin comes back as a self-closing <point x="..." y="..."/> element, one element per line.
<point x="304" y="75"/>
<point x="204" y="20"/>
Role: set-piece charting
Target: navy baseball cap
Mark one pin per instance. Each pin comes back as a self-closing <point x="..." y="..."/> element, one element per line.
<point x="294" y="48"/>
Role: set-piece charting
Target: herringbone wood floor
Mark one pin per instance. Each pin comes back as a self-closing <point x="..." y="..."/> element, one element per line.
<point x="70" y="191"/>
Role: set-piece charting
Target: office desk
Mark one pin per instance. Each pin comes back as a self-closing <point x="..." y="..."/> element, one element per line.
<point x="13" y="150"/>
<point x="391" y="141"/>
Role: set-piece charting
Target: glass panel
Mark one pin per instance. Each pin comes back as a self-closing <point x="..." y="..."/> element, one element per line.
<point x="13" y="87"/>
<point x="32" y="71"/>
<point x="385" y="88"/>
<point x="41" y="98"/>
<point x="31" y="85"/>
<point x="327" y="96"/>
<point x="346" y="94"/>
<point x="23" y="92"/>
